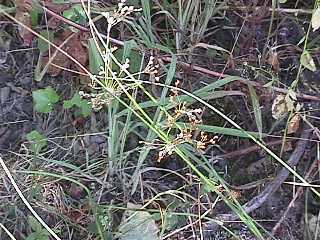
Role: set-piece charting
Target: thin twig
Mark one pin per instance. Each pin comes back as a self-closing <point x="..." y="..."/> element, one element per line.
<point x="7" y="232"/>
<point x="269" y="9"/>
<point x="78" y="26"/>
<point x="65" y="20"/>
<point x="251" y="149"/>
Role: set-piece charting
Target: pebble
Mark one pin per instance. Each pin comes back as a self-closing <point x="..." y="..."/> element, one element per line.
<point x="3" y="57"/>
<point x="4" y="94"/>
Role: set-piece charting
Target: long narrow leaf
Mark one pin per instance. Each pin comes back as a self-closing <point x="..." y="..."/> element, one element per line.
<point x="256" y="109"/>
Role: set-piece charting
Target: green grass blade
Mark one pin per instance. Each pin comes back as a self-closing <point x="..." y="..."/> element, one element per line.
<point x="256" y="109"/>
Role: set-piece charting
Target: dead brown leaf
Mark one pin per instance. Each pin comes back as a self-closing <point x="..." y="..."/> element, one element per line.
<point x="294" y="124"/>
<point x="53" y="23"/>
<point x="273" y="60"/>
<point x="56" y="7"/>
<point x="74" y="47"/>
<point x="287" y="147"/>
<point x="23" y="5"/>
<point x="25" y="35"/>
<point x="23" y="16"/>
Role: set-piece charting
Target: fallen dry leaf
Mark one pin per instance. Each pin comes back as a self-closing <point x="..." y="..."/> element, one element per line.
<point x="26" y="35"/>
<point x="279" y="107"/>
<point x="23" y="5"/>
<point x="294" y="124"/>
<point x="287" y="146"/>
<point x="56" y="7"/>
<point x="53" y="23"/>
<point x="23" y="16"/>
<point x="273" y="60"/>
<point x="74" y="47"/>
<point x="315" y="20"/>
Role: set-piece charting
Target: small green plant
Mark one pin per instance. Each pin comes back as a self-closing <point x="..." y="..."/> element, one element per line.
<point x="76" y="14"/>
<point x="42" y="45"/>
<point x="137" y="225"/>
<point x="44" y="99"/>
<point x="37" y="141"/>
<point x="77" y="101"/>
<point x="38" y="233"/>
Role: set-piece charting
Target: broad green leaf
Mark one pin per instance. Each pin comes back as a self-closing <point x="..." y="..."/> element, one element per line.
<point x="135" y="61"/>
<point x="83" y="104"/>
<point x="39" y="235"/>
<point x="256" y="109"/>
<point x="127" y="48"/>
<point x="95" y="59"/>
<point x="76" y="14"/>
<point x="43" y="46"/>
<point x="126" y="52"/>
<point x="44" y="234"/>
<point x="315" y="20"/>
<point x="137" y="225"/>
<point x="34" y="15"/>
<point x="172" y="221"/>
<point x="134" y="57"/>
<point x="44" y="99"/>
<point x="37" y="140"/>
<point x="32" y="236"/>
<point x="307" y="61"/>
<point x="34" y="224"/>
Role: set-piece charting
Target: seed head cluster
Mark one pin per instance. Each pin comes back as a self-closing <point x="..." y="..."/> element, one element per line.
<point x="119" y="14"/>
<point x="188" y="134"/>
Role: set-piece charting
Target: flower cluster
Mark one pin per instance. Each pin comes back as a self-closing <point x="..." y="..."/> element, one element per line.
<point x="97" y="100"/>
<point x="204" y="141"/>
<point x="190" y="134"/>
<point x="109" y="87"/>
<point x="119" y="14"/>
<point x="152" y="67"/>
<point x="186" y="136"/>
<point x="181" y="110"/>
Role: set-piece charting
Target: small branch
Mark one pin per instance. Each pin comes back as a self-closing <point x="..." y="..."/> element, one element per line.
<point x="244" y="81"/>
<point x="78" y="26"/>
<point x="269" y="9"/>
<point x="257" y="201"/>
<point x="65" y="20"/>
<point x="250" y="149"/>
